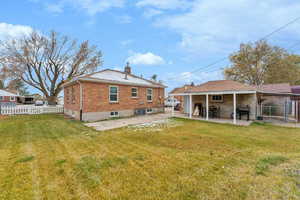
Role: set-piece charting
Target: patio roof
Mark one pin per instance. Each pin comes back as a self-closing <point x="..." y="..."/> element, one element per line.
<point x="217" y="87"/>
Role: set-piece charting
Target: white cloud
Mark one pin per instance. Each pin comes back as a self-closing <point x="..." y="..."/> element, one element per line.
<point x="164" y="4"/>
<point x="91" y="7"/>
<point x="8" y="31"/>
<point x="124" y="19"/>
<point x="54" y="8"/>
<point x="145" y="59"/>
<point x="126" y="42"/>
<point x="220" y="26"/>
<point x="177" y="80"/>
<point x="151" y="12"/>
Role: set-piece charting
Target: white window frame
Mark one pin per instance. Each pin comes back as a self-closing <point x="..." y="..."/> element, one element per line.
<point x="110" y="94"/>
<point x="137" y="92"/>
<point x="114" y="114"/>
<point x="217" y="101"/>
<point x="149" y="95"/>
<point x="1" y="98"/>
<point x="12" y="98"/>
<point x="149" y="110"/>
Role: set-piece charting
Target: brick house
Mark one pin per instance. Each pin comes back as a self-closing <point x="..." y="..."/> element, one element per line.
<point x="111" y="93"/>
<point x="8" y="98"/>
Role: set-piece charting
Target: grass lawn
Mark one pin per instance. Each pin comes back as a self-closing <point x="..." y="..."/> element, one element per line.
<point x="49" y="157"/>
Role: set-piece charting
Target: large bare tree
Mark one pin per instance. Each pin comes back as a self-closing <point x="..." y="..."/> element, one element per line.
<point x="45" y="62"/>
<point x="261" y="63"/>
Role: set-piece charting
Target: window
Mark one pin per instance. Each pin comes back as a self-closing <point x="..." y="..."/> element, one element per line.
<point x="113" y="94"/>
<point x="1" y="98"/>
<point x="217" y="98"/>
<point x="114" y="114"/>
<point x="149" y="110"/>
<point x="12" y="98"/>
<point x="149" y="95"/>
<point x="134" y="92"/>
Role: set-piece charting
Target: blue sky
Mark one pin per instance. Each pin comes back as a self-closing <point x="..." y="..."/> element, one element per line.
<point x="169" y="38"/>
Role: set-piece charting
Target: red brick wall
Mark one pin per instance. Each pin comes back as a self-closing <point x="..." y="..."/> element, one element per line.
<point x="7" y="99"/>
<point x="96" y="98"/>
<point x="72" y="102"/>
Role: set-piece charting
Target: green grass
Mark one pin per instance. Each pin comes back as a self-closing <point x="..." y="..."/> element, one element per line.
<point x="49" y="157"/>
<point x="25" y="159"/>
<point x="264" y="164"/>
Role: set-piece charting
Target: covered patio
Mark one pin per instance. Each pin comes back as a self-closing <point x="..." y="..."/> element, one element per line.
<point x="220" y="101"/>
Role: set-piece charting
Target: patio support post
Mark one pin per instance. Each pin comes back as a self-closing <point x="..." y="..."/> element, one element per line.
<point x="207" y="107"/>
<point x="234" y="108"/>
<point x="191" y="106"/>
<point x="172" y="99"/>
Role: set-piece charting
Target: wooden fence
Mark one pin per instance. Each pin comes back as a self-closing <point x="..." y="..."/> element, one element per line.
<point x="30" y="110"/>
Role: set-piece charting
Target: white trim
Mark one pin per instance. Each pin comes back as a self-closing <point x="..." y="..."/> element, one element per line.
<point x="148" y="112"/>
<point x="215" y="93"/>
<point x="114" y="82"/>
<point x="172" y="99"/>
<point x="207" y="107"/>
<point x="109" y="93"/>
<point x="137" y="92"/>
<point x="191" y="107"/>
<point x="217" y="101"/>
<point x="151" y="95"/>
<point x="115" y="114"/>
<point x="234" y="108"/>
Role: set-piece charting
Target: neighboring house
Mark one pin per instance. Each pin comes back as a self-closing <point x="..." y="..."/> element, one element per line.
<point x="8" y="98"/>
<point x="180" y="90"/>
<point x="110" y="93"/>
<point x="228" y="99"/>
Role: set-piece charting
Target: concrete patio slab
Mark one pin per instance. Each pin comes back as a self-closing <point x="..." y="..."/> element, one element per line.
<point x="118" y="123"/>
<point x="222" y="121"/>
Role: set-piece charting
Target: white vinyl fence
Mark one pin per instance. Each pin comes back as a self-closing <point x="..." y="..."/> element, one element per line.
<point x="30" y="110"/>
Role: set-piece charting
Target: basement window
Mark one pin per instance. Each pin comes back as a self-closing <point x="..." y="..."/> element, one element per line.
<point x="217" y="98"/>
<point x="1" y="98"/>
<point x="149" y="110"/>
<point x="12" y="98"/>
<point x="114" y="114"/>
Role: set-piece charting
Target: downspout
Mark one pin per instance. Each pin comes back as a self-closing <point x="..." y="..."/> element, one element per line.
<point x="80" y="100"/>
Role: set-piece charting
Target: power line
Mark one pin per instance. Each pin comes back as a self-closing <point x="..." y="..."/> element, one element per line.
<point x="289" y="48"/>
<point x="263" y="38"/>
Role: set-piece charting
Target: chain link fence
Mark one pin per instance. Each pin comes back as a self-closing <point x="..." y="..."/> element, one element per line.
<point x="285" y="112"/>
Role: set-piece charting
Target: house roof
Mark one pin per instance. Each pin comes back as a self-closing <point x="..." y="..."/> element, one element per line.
<point x="275" y="88"/>
<point x="181" y="89"/>
<point x="219" y="86"/>
<point x="234" y="86"/>
<point x="117" y="77"/>
<point x="7" y="94"/>
<point x="295" y="89"/>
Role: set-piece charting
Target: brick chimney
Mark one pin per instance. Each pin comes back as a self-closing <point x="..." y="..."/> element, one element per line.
<point x="127" y="69"/>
